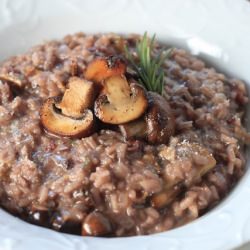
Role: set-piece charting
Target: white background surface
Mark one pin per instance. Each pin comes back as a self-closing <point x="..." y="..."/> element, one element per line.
<point x="218" y="30"/>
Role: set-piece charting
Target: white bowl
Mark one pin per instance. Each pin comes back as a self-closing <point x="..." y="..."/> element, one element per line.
<point x="218" y="30"/>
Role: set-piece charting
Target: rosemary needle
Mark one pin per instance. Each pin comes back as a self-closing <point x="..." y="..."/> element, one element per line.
<point x="148" y="68"/>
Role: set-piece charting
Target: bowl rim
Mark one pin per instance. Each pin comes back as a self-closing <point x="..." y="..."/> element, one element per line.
<point x="223" y="227"/>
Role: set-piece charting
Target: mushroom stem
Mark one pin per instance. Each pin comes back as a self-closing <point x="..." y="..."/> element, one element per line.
<point x="78" y="97"/>
<point x="120" y="102"/>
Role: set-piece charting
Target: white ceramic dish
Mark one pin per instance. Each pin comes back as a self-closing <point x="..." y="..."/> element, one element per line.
<point x="216" y="29"/>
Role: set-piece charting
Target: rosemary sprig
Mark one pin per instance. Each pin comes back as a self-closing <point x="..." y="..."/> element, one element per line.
<point x="148" y="68"/>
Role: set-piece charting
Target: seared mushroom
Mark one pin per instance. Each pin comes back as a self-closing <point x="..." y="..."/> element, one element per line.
<point x="166" y="196"/>
<point x="201" y="162"/>
<point x="119" y="42"/>
<point x="79" y="96"/>
<point x="16" y="79"/>
<point x="57" y="123"/>
<point x="96" y="224"/>
<point x="69" y="116"/>
<point x="157" y="125"/>
<point x="120" y="102"/>
<point x="160" y="119"/>
<point x="134" y="129"/>
<point x="104" y="67"/>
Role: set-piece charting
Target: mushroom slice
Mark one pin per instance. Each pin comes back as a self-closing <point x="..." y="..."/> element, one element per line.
<point x="202" y="162"/>
<point x="79" y="96"/>
<point x="16" y="79"/>
<point x="96" y="224"/>
<point x="157" y="125"/>
<point x="120" y="102"/>
<point x="166" y="196"/>
<point x="104" y="67"/>
<point x="57" y="123"/>
<point x="159" y="119"/>
<point x="135" y="129"/>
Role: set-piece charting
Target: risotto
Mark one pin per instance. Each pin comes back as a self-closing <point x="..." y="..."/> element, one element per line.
<point x="86" y="149"/>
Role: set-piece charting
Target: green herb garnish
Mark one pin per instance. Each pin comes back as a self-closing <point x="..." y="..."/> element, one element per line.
<point x="148" y="67"/>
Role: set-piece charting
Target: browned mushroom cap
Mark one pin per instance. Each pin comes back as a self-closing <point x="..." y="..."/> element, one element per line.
<point x="57" y="123"/>
<point x="96" y="224"/>
<point x="104" y="67"/>
<point x="79" y="96"/>
<point x="201" y="161"/>
<point x="120" y="102"/>
<point x="160" y="119"/>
